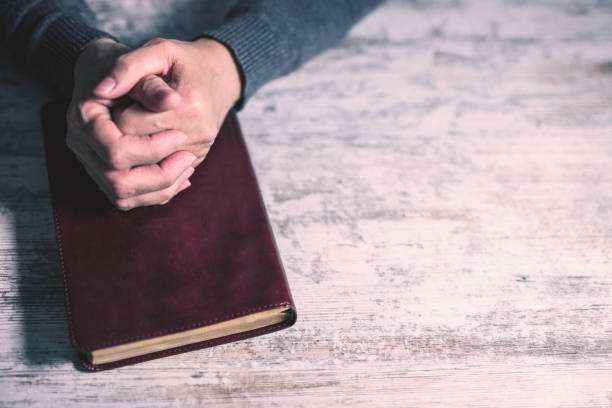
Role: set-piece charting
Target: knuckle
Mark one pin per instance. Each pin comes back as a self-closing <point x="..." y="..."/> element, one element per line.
<point x="156" y="40"/>
<point x="120" y="189"/>
<point x="115" y="158"/>
<point x="85" y="111"/>
<point x="165" y="180"/>
<point x="122" y="204"/>
<point x="166" y="195"/>
<point x="163" y="44"/>
<point x="201" y="155"/>
<point x="207" y="127"/>
<point x="149" y="84"/>
<point x="196" y="107"/>
<point x="208" y="132"/>
<point x="124" y="64"/>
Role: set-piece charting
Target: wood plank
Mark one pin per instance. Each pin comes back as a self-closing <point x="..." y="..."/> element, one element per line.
<point x="439" y="186"/>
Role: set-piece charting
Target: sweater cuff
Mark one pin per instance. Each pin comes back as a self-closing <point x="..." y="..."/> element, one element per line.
<point x="255" y="48"/>
<point x="62" y="41"/>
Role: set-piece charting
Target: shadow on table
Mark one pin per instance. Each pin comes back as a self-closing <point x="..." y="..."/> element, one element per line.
<point x="40" y="292"/>
<point x="37" y="294"/>
<point x="45" y="333"/>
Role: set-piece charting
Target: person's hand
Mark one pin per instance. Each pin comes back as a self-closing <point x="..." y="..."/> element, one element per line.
<point x="202" y="72"/>
<point x="132" y="170"/>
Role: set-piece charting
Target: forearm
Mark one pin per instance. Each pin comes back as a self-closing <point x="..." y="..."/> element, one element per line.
<point x="271" y="38"/>
<point x="47" y="36"/>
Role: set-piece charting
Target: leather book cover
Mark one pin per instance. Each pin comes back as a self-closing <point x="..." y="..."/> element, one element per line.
<point x="149" y="282"/>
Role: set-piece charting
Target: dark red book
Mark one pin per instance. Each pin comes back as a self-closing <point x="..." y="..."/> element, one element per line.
<point x="200" y="271"/>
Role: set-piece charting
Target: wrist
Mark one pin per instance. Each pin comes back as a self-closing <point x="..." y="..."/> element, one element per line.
<point x="225" y="67"/>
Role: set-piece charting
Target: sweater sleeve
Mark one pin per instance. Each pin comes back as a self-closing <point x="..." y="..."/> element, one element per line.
<point x="47" y="36"/>
<point x="271" y="38"/>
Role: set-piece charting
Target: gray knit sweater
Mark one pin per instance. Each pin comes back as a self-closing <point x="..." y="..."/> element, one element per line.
<point x="269" y="38"/>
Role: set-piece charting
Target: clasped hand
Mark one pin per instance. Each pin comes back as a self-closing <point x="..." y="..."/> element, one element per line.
<point x="141" y="120"/>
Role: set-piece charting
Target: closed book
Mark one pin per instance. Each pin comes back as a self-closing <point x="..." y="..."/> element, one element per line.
<point x="200" y="271"/>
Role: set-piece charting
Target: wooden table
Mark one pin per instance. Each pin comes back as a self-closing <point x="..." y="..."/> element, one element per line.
<point x="440" y="189"/>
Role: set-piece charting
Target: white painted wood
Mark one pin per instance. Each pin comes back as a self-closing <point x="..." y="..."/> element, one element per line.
<point x="439" y="185"/>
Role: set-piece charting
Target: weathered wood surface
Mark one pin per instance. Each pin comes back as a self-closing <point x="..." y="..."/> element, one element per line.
<point x="439" y="185"/>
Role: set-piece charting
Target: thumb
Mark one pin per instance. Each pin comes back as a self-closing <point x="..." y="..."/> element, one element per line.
<point x="130" y="68"/>
<point x="155" y="94"/>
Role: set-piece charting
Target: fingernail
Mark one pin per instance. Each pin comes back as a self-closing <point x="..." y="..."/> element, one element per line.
<point x="106" y="85"/>
<point x="185" y="186"/>
<point x="186" y="174"/>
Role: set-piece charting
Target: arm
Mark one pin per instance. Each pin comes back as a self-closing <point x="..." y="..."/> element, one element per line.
<point x="262" y="40"/>
<point x="57" y="41"/>
<point x="271" y="38"/>
<point x="47" y="36"/>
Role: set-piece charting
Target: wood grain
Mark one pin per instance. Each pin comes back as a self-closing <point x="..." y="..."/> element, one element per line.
<point x="439" y="186"/>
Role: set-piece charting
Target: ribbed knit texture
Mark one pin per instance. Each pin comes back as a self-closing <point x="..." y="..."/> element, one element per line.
<point x="271" y="38"/>
<point x="47" y="36"/>
<point x="268" y="38"/>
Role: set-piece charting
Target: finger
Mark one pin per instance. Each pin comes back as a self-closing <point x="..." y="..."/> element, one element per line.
<point x="155" y="94"/>
<point x="100" y="134"/>
<point x="137" y="120"/>
<point x="185" y="186"/>
<point x="124" y="151"/>
<point x="200" y="158"/>
<point x="121" y="184"/>
<point x="146" y="179"/>
<point x="140" y="150"/>
<point x="93" y="166"/>
<point x="157" y="197"/>
<point x="132" y="67"/>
